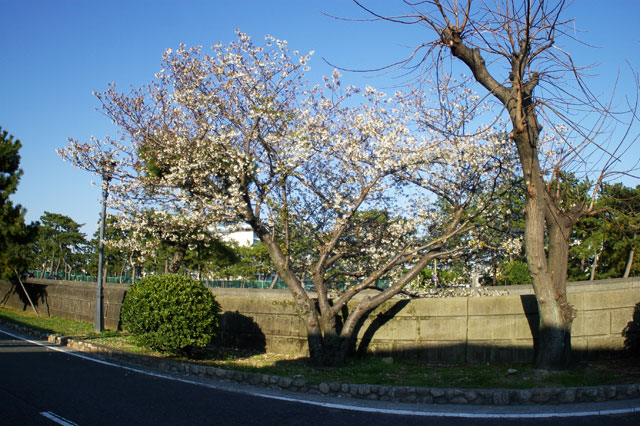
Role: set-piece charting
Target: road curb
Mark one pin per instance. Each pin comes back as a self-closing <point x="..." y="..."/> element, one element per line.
<point x="403" y="394"/>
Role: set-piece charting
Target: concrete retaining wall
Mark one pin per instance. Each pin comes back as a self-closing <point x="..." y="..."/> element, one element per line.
<point x="66" y="299"/>
<point x="458" y="329"/>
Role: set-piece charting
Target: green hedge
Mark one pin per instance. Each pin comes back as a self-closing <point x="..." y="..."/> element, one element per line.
<point x="170" y="313"/>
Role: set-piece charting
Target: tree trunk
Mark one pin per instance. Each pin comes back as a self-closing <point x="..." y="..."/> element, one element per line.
<point x="274" y="281"/>
<point x="627" y="269"/>
<point x="550" y="342"/>
<point x="124" y="265"/>
<point x="596" y="257"/>
<point x="176" y="260"/>
<point x="306" y="307"/>
<point x="494" y="272"/>
<point x="336" y="349"/>
<point x="53" y="259"/>
<point x="594" y="265"/>
<point x="553" y="343"/>
<point x="104" y="272"/>
<point x="58" y="265"/>
<point x="556" y="314"/>
<point x="547" y="266"/>
<point x="133" y="268"/>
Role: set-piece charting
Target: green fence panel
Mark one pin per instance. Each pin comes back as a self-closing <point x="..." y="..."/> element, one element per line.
<point x="258" y="284"/>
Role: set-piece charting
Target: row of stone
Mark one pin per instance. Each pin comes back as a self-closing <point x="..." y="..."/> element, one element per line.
<point x="419" y="394"/>
<point x="378" y="392"/>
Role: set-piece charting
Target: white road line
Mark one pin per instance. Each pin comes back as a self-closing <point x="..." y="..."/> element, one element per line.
<point x="403" y="412"/>
<point x="58" y="419"/>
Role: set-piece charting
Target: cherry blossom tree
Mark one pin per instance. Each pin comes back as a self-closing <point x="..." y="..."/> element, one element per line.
<point x="237" y="135"/>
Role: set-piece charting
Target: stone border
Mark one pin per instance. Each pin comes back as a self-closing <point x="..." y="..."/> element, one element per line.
<point x="405" y="394"/>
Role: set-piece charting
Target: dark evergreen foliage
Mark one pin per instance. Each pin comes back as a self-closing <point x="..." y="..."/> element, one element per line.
<point x="14" y="234"/>
<point x="170" y="313"/>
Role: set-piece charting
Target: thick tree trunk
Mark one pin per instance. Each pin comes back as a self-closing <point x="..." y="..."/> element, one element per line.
<point x="315" y="339"/>
<point x="553" y="344"/>
<point x="557" y="315"/>
<point x="545" y="225"/>
<point x="550" y="345"/>
<point x="306" y="307"/>
<point x="336" y="350"/>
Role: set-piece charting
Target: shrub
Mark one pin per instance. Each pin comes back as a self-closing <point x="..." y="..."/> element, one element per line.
<point x="516" y="272"/>
<point x="170" y="313"/>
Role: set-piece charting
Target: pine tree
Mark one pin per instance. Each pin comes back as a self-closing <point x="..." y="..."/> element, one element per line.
<point x="14" y="234"/>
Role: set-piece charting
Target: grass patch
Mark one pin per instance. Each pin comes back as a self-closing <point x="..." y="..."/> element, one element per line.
<point x="62" y="326"/>
<point x="375" y="371"/>
<point x="371" y="370"/>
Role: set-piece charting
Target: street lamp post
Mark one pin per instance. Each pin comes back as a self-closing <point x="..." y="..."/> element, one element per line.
<point x="98" y="322"/>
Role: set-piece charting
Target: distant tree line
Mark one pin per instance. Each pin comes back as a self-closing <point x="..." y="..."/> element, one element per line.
<point x="603" y="246"/>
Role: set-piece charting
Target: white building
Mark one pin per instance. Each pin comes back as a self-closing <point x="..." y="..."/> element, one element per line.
<point x="240" y="233"/>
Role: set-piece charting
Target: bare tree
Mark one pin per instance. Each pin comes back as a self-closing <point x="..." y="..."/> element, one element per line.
<point x="511" y="49"/>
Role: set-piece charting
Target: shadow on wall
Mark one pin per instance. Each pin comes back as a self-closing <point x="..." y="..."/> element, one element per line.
<point x="631" y="334"/>
<point x="450" y="353"/>
<point x="37" y="293"/>
<point x="380" y="320"/>
<point x="530" y="308"/>
<point x="468" y="352"/>
<point x="241" y="332"/>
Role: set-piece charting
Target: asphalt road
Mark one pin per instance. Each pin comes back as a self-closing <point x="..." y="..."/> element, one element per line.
<point x="44" y="385"/>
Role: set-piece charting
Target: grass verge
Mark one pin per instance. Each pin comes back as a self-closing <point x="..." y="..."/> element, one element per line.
<point x="370" y="370"/>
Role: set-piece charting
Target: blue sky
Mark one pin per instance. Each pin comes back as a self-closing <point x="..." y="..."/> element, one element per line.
<point x="55" y="53"/>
